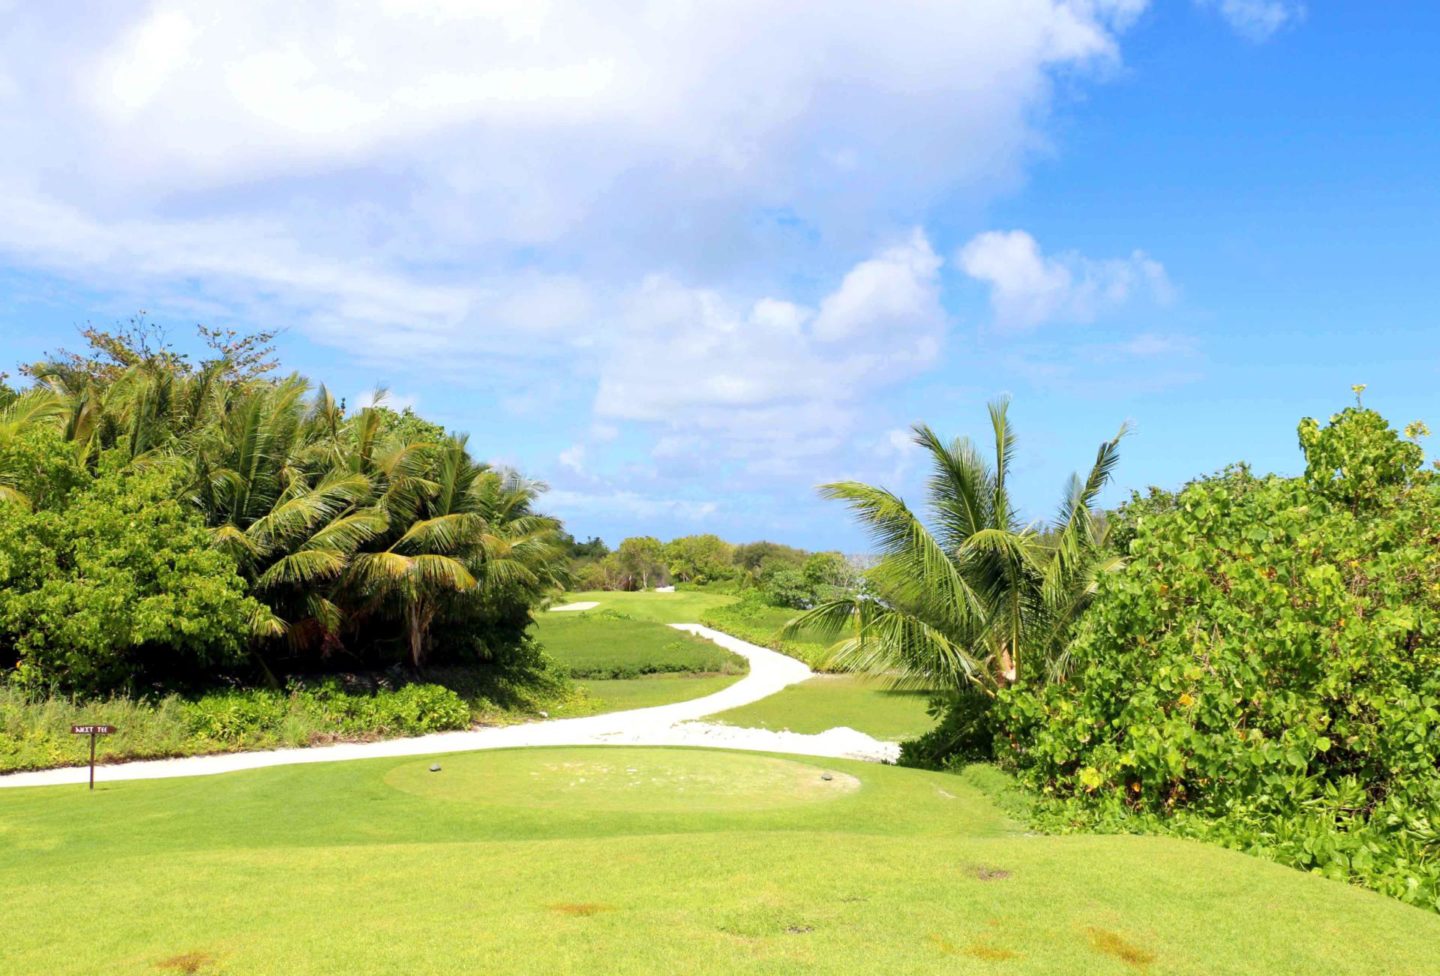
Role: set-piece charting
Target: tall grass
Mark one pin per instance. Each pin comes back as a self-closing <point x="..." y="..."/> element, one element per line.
<point x="35" y="733"/>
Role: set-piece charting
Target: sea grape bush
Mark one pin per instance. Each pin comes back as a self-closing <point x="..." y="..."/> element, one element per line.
<point x="118" y="586"/>
<point x="1265" y="671"/>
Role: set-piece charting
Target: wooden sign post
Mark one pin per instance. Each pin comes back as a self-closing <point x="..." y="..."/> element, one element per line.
<point x="92" y="731"/>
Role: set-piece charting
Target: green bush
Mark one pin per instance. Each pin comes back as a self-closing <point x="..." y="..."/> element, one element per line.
<point x="119" y="587"/>
<point x="1266" y="670"/>
<point x="788" y="588"/>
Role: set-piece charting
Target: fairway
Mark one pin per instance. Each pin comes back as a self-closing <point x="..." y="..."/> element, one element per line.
<point x="604" y="695"/>
<point x="641" y="861"/>
<point x="679" y="607"/>
<point x="830" y="700"/>
<point x="600" y="645"/>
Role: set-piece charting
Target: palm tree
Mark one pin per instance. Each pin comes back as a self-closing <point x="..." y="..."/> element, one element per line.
<point x="26" y="412"/>
<point x="981" y="599"/>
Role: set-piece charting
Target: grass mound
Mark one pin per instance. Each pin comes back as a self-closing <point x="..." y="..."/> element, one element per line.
<point x="324" y="870"/>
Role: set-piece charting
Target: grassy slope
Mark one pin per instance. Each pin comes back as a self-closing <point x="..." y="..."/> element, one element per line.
<point x="641" y="861"/>
<point x="761" y="625"/>
<point x="596" y="645"/>
<point x="829" y="700"/>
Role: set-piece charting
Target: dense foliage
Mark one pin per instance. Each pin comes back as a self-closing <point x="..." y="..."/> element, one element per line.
<point x="982" y="599"/>
<point x="1266" y="671"/>
<point x="119" y="584"/>
<point x="166" y="520"/>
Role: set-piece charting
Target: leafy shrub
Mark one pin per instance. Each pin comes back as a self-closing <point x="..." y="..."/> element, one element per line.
<point x="788" y="588"/>
<point x="117" y="588"/>
<point x="1266" y="670"/>
<point x="965" y="734"/>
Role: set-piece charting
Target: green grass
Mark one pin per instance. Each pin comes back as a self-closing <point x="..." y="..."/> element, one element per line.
<point x="760" y="624"/>
<point x="831" y="700"/>
<point x="601" y="695"/>
<point x="682" y="607"/>
<point x="603" y="645"/>
<point x="642" y="861"/>
<point x="623" y="663"/>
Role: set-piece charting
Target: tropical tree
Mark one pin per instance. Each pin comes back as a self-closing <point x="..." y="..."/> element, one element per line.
<point x="981" y="599"/>
<point x="642" y="558"/>
<point x="357" y="531"/>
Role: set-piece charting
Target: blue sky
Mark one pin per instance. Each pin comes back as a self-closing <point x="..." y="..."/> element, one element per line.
<point x="686" y="262"/>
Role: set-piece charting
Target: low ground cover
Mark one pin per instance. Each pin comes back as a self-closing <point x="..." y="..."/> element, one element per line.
<point x="35" y="733"/>
<point x="642" y="861"/>
<point x="621" y="658"/>
<point x="829" y="700"/>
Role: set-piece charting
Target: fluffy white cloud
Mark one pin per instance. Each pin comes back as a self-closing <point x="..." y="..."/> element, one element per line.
<point x="691" y="356"/>
<point x="328" y="151"/>
<point x="1029" y="289"/>
<point x="1257" y="19"/>
<point x="675" y="205"/>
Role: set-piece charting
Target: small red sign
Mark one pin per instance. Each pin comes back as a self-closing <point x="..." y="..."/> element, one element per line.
<point x="92" y="729"/>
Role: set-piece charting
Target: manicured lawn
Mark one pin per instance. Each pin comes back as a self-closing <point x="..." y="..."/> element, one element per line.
<point x="601" y="645"/>
<point x="641" y="861"/>
<point x="760" y="624"/>
<point x="632" y="663"/>
<point x="616" y="695"/>
<point x="683" y="607"/>
<point x="831" y="700"/>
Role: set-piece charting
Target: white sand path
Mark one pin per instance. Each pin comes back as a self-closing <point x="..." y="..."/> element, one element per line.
<point x="662" y="725"/>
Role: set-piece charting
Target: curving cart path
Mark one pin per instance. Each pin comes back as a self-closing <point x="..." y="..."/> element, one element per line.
<point x="663" y="725"/>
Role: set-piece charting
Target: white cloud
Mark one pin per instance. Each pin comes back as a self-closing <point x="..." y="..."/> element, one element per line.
<point x="675" y="205"/>
<point x="422" y="146"/>
<point x="1257" y="20"/>
<point x="694" y="357"/>
<point x="1029" y="289"/>
<point x="573" y="457"/>
<point x="628" y="504"/>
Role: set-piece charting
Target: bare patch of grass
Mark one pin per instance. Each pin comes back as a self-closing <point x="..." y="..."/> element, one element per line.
<point x="579" y="909"/>
<point x="992" y="953"/>
<point x="189" y="963"/>
<point x="1115" y="946"/>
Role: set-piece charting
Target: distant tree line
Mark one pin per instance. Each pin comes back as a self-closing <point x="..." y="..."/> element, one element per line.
<point x="782" y="575"/>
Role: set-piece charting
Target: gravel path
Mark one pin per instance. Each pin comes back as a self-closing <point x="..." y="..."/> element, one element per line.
<point x="662" y="725"/>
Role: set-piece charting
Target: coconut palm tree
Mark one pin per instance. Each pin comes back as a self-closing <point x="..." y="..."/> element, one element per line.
<point x="977" y="597"/>
<point x="22" y="414"/>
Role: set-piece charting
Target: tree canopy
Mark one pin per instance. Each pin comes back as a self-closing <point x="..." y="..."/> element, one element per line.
<point x="351" y="536"/>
